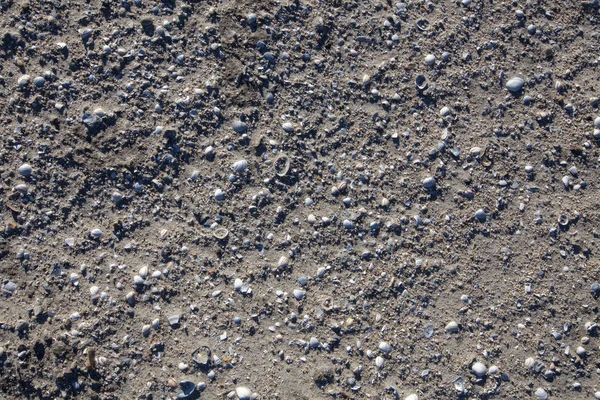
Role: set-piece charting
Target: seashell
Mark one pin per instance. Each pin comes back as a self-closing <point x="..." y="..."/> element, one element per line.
<point x="220" y="233"/>
<point x="163" y="233"/>
<point x="283" y="262"/>
<point x="186" y="389"/>
<point x="281" y="165"/>
<point x="94" y="290"/>
<point x="201" y="356"/>
<point x="144" y="272"/>
<point x="288" y="127"/>
<point x="563" y="220"/>
<point x="171" y="382"/>
<point x="101" y="361"/>
<point x="239" y="166"/>
<point x="421" y="82"/>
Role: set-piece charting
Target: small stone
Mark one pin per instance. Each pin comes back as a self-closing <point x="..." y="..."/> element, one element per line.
<point x="96" y="233"/>
<point x="243" y="393"/>
<point x="299" y="294"/>
<point x="10" y="286"/>
<point x="173" y="320"/>
<point x="541" y="394"/>
<point x="429" y="182"/>
<point x="239" y="126"/>
<point x="379" y="361"/>
<point x="219" y="195"/>
<point x="452" y="327"/>
<point x="514" y="85"/>
<point x="479" y="369"/>
<point x="580" y="352"/>
<point x="596" y="287"/>
<point x="385" y="347"/>
<point x="445" y="111"/>
<point x="25" y="170"/>
<point x="237" y="284"/>
<point x="430" y="59"/>
<point x="493" y="370"/>
<point x="597" y="122"/>
<point x="313" y="343"/>
<point x="288" y="127"/>
<point x="480" y="215"/>
<point x="412" y="397"/>
<point x="146" y="330"/>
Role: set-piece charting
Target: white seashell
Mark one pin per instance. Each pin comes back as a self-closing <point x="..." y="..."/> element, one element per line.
<point x="144" y="272"/>
<point x="288" y="127"/>
<point x="240" y="166"/>
<point x="283" y="262"/>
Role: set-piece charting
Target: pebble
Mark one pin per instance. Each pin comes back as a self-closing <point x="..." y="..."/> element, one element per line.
<point x="299" y="294"/>
<point x="430" y="59"/>
<point x="243" y="393"/>
<point x="452" y="327"/>
<point x="239" y="126"/>
<point x="480" y="215"/>
<point x="379" y="361"/>
<point x="96" y="233"/>
<point x="428" y="183"/>
<point x="219" y="195"/>
<point x="146" y="330"/>
<point x="493" y="370"/>
<point x="25" y="170"/>
<point x="288" y="127"/>
<point x="10" y="286"/>
<point x="412" y="397"/>
<point x="385" y="347"/>
<point x="597" y="122"/>
<point x="173" y="320"/>
<point x="514" y="85"/>
<point x="445" y="111"/>
<point x="479" y="369"/>
<point x="541" y="394"/>
<point x="237" y="284"/>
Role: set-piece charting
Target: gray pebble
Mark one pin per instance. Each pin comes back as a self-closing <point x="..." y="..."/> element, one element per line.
<point x="429" y="182"/>
<point x="480" y="215"/>
<point x="479" y="369"/>
<point x="299" y="294"/>
<point x="174" y="319"/>
<point x="452" y="327"/>
<point x="239" y="126"/>
<point x="541" y="394"/>
<point x="243" y="393"/>
<point x="385" y="347"/>
<point x="96" y="233"/>
<point x="25" y="169"/>
<point x="514" y="85"/>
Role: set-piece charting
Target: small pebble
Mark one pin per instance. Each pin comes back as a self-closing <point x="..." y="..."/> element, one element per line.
<point x="25" y="170"/>
<point x="479" y="369"/>
<point x="452" y="327"/>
